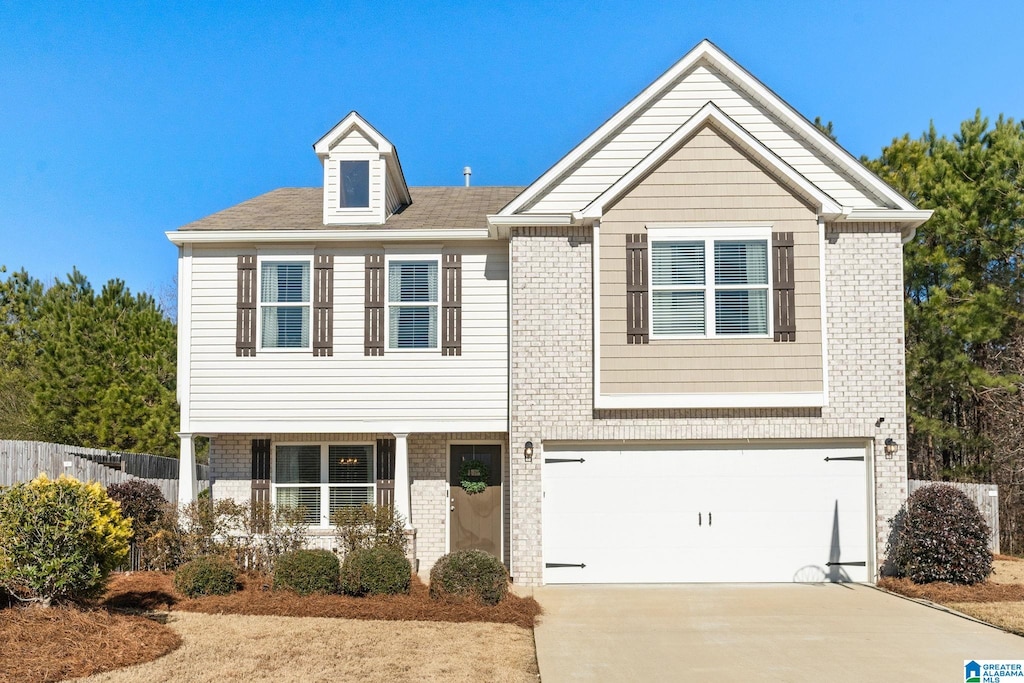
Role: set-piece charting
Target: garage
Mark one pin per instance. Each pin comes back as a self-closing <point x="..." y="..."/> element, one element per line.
<point x="670" y="514"/>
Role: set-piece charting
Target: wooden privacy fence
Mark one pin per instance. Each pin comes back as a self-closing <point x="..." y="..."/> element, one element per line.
<point x="24" y="460"/>
<point x="985" y="496"/>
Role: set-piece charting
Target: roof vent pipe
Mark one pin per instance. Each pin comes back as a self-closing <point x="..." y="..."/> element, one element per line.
<point x="467" y="171"/>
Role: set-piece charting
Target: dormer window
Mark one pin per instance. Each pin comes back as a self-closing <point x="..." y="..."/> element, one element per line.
<point x="354" y="186"/>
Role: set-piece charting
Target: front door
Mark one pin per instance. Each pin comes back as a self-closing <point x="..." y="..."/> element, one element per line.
<point x="475" y="518"/>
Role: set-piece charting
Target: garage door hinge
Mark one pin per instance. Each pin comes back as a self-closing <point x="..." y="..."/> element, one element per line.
<point x="556" y="565"/>
<point x="846" y="564"/>
<point x="855" y="457"/>
<point x="564" y="460"/>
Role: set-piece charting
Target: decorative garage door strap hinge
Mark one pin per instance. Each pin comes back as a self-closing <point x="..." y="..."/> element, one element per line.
<point x="854" y="457"/>
<point x="556" y="565"/>
<point x="846" y="564"/>
<point x="564" y="460"/>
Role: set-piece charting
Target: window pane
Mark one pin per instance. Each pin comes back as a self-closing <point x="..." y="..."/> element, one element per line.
<point x="297" y="465"/>
<point x="412" y="281"/>
<point x="678" y="313"/>
<point x="285" y="282"/>
<point x="677" y="263"/>
<point x="350" y="496"/>
<point x="307" y="498"/>
<point x="349" y="464"/>
<point x="741" y="311"/>
<point x="412" y="327"/>
<point x="355" y="184"/>
<point x="741" y="263"/>
<point x="285" y="327"/>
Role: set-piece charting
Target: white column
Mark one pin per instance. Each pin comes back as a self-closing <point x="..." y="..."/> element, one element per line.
<point x="403" y="505"/>
<point x="187" y="470"/>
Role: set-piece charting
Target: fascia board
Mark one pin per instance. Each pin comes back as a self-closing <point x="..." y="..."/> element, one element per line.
<point x="181" y="237"/>
<point x="353" y="120"/>
<point x="711" y="114"/>
<point x="910" y="220"/>
<point x="531" y="219"/>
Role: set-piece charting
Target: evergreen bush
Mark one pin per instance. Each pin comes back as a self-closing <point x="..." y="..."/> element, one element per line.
<point x="307" y="571"/>
<point x="369" y="526"/>
<point x="469" y="575"/>
<point x="141" y="501"/>
<point x="939" y="535"/>
<point x="206" y="575"/>
<point x="379" y="570"/>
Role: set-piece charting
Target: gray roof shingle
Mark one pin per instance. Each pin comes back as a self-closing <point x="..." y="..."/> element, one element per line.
<point x="301" y="208"/>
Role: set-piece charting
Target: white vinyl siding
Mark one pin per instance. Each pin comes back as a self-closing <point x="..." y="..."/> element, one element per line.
<point x="596" y="173"/>
<point x="323" y="478"/>
<point x="284" y="304"/>
<point x="297" y="392"/>
<point x="412" y="303"/>
<point x="708" y="287"/>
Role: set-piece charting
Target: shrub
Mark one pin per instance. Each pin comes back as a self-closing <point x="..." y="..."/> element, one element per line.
<point x="307" y="571"/>
<point x="469" y="575"/>
<point x="142" y="501"/>
<point x="374" y="571"/>
<point x="207" y="575"/>
<point x="59" y="539"/>
<point x="939" y="535"/>
<point x="369" y="526"/>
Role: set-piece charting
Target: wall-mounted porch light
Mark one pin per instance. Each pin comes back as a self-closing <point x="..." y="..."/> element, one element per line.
<point x="528" y="452"/>
<point x="890" y="448"/>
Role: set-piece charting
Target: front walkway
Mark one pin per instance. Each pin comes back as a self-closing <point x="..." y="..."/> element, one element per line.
<point x="748" y="632"/>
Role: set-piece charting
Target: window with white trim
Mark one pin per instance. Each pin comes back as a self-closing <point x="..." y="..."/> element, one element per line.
<point x="323" y="478"/>
<point x="412" y="302"/>
<point x="709" y="285"/>
<point x="354" y="184"/>
<point x="284" y="304"/>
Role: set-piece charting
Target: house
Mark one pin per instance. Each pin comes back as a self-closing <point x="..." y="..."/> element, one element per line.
<point x="676" y="356"/>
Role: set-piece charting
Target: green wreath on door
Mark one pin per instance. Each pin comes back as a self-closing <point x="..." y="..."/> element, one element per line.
<point x="473" y="476"/>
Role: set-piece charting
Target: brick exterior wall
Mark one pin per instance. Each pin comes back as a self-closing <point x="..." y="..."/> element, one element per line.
<point x="552" y="356"/>
<point x="231" y="472"/>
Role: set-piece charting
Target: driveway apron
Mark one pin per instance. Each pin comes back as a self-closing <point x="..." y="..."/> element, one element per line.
<point x="755" y="632"/>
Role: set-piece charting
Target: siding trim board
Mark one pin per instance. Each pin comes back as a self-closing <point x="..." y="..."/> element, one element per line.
<point x="245" y="326"/>
<point x="323" y="305"/>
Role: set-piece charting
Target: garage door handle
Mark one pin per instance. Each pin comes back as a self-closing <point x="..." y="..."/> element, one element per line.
<point x="700" y="519"/>
<point x="709" y="519"/>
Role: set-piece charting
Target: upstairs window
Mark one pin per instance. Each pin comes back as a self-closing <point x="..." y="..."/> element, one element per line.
<point x="412" y="304"/>
<point x="709" y="287"/>
<point x="354" y="185"/>
<point x="284" y="304"/>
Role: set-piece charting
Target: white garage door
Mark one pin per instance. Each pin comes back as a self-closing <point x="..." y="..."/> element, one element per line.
<point x="661" y="514"/>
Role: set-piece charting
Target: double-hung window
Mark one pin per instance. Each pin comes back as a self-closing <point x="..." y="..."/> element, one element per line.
<point x="711" y="283"/>
<point x="412" y="302"/>
<point x="284" y="304"/>
<point x="323" y="478"/>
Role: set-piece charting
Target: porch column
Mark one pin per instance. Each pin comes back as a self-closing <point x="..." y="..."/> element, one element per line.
<point x="187" y="470"/>
<point x="403" y="506"/>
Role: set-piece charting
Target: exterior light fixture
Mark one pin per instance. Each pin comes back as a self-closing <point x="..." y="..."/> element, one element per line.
<point x="528" y="452"/>
<point x="890" y="448"/>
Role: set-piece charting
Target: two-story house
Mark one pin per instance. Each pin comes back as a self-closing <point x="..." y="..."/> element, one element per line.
<point x="676" y="356"/>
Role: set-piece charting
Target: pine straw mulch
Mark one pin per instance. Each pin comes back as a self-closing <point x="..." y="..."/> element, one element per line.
<point x="39" y="645"/>
<point x="155" y="591"/>
<point x="996" y="589"/>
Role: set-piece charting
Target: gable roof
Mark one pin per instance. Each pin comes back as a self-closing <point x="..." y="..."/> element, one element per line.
<point x="301" y="208"/>
<point x="887" y="205"/>
<point x="353" y="120"/>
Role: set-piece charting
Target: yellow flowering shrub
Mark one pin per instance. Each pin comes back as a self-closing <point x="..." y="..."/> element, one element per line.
<point x="59" y="539"/>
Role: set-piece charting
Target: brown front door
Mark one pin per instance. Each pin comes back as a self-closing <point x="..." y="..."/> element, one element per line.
<point x="475" y="518"/>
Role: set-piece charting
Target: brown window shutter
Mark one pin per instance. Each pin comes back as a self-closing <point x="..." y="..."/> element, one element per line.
<point x="373" y="323"/>
<point x="386" y="472"/>
<point x="245" y="328"/>
<point x="637" y="290"/>
<point x="323" y="305"/>
<point x="260" y="472"/>
<point x="783" y="288"/>
<point x="451" y="305"/>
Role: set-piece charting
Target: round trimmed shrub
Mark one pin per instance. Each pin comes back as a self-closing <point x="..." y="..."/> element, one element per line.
<point x="375" y="571"/>
<point x="59" y="539"/>
<point x="142" y="501"/>
<point x="307" y="571"/>
<point x="939" y="535"/>
<point x="206" y="575"/>
<point x="469" y="575"/>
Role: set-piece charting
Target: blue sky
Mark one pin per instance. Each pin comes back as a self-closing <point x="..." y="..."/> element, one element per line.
<point x="121" y="121"/>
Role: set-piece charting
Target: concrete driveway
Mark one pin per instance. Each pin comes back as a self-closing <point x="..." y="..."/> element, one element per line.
<point x="755" y="632"/>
